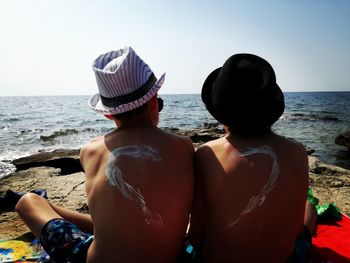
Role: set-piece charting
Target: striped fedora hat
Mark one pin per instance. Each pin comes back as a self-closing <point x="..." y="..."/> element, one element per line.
<point x="125" y="82"/>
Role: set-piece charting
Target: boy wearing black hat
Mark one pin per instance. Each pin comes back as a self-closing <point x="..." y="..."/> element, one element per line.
<point x="252" y="184"/>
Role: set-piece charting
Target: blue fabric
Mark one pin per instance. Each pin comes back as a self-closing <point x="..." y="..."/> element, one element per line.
<point x="300" y="254"/>
<point x="302" y="248"/>
<point x="64" y="241"/>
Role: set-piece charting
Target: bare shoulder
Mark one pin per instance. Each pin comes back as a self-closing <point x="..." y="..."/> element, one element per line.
<point x="91" y="149"/>
<point x="180" y="140"/>
<point x="91" y="146"/>
<point x="293" y="153"/>
<point x="211" y="145"/>
<point x="209" y="148"/>
<point x="290" y="143"/>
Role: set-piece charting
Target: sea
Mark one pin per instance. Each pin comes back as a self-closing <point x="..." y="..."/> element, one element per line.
<point x="30" y="125"/>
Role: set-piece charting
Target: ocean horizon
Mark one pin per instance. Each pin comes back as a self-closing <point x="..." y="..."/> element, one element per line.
<point x="160" y="94"/>
<point x="30" y="124"/>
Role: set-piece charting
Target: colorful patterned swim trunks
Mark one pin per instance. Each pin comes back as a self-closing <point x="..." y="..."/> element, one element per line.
<point x="64" y="241"/>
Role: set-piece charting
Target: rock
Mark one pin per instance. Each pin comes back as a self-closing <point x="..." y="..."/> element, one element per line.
<point x="171" y="129"/>
<point x="336" y="184"/>
<point x="313" y="117"/>
<point x="66" y="160"/>
<point x="211" y="125"/>
<point x="330" y="184"/>
<point x="314" y="162"/>
<point x="343" y="140"/>
<point x="317" y="167"/>
<point x="309" y="150"/>
<point x="202" y="135"/>
<point x="66" y="191"/>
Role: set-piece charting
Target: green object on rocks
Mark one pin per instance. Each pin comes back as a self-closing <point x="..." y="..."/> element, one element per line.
<point x="326" y="210"/>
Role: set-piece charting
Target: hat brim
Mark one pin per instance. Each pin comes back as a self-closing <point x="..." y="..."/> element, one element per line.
<point x="207" y="91"/>
<point x="96" y="104"/>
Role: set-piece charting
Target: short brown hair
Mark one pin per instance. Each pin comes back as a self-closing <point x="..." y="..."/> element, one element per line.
<point x="250" y="132"/>
<point x="128" y="115"/>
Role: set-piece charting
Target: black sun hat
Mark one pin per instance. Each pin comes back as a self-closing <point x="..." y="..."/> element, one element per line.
<point x="243" y="94"/>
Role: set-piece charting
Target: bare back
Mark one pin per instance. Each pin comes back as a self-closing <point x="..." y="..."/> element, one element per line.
<point x="139" y="185"/>
<point x="254" y="191"/>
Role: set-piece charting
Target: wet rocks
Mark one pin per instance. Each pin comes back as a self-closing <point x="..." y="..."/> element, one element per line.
<point x="312" y="117"/>
<point x="211" y="131"/>
<point x="66" y="160"/>
<point x="343" y="140"/>
<point x="309" y="150"/>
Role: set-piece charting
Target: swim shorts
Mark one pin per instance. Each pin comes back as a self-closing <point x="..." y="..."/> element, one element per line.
<point x="64" y="241"/>
<point x="189" y="254"/>
<point x="302" y="247"/>
<point x="300" y="254"/>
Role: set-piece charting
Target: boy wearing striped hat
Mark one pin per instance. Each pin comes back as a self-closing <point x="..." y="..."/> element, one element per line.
<point x="139" y="179"/>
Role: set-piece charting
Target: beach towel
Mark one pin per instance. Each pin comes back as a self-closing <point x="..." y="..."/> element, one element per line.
<point x="22" y="249"/>
<point x="331" y="242"/>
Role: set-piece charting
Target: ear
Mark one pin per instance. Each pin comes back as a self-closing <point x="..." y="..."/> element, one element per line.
<point x="153" y="103"/>
<point x="110" y="117"/>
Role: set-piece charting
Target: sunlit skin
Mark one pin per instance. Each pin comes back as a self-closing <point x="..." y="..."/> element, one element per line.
<point x="121" y="231"/>
<point x="225" y="183"/>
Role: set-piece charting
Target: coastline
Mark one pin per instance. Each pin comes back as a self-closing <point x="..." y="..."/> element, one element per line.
<point x="60" y="174"/>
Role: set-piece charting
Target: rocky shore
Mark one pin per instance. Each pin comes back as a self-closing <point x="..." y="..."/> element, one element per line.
<point x="343" y="140"/>
<point x="60" y="173"/>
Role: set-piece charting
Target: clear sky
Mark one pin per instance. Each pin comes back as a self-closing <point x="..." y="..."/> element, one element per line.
<point x="47" y="47"/>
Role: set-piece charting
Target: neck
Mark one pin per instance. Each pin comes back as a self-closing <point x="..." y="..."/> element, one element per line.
<point x="248" y="133"/>
<point x="248" y="137"/>
<point x="136" y="123"/>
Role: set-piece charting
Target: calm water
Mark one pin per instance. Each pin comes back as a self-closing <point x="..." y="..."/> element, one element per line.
<point x="32" y="124"/>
